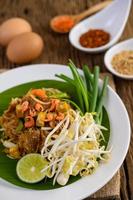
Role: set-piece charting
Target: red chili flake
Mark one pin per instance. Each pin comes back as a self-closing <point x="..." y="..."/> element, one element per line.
<point x="94" y="38"/>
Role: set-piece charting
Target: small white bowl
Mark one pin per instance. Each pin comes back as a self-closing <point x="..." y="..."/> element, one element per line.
<point x="111" y="19"/>
<point x="125" y="45"/>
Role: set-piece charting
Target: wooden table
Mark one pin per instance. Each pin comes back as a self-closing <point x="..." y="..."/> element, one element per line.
<point x="58" y="50"/>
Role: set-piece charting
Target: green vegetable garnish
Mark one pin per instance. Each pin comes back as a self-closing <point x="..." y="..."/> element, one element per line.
<point x="101" y="96"/>
<point x="88" y="77"/>
<point x="94" y="89"/>
<point x="59" y="95"/>
<point x="20" y="126"/>
<point x="90" y="97"/>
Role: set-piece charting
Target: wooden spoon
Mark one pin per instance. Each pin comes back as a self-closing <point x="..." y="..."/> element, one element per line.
<point x="64" y="23"/>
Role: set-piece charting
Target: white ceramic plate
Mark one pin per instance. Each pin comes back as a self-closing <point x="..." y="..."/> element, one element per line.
<point x="120" y="138"/>
<point x="122" y="46"/>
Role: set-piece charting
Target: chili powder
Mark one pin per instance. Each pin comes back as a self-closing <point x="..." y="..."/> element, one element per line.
<point x="94" y="38"/>
<point x="62" y="23"/>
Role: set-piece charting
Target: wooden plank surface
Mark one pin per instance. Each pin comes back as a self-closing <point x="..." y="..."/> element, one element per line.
<point x="58" y="50"/>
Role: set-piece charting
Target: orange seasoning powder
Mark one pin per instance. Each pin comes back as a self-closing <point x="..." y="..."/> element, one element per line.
<point x="62" y="24"/>
<point x="94" y="38"/>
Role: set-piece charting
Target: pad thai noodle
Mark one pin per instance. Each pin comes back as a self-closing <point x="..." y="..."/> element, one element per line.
<point x="42" y="122"/>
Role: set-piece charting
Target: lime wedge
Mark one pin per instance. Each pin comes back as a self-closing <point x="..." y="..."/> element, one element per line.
<point x="29" y="168"/>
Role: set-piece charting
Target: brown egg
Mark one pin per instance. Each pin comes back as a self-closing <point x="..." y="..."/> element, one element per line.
<point x="24" y="48"/>
<point x="11" y="28"/>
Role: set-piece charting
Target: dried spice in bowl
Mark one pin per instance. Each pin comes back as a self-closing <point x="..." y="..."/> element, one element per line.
<point x="123" y="62"/>
<point x="94" y="38"/>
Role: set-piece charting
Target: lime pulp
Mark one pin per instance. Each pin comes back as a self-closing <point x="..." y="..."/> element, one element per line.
<point x="29" y="168"/>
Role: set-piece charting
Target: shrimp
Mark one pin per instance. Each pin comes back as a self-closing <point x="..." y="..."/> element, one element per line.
<point x="54" y="104"/>
<point x="60" y="116"/>
<point x="32" y="112"/>
<point x="39" y="107"/>
<point x="49" y="117"/>
<point x="39" y="93"/>
<point x="25" y="106"/>
<point x="29" y="122"/>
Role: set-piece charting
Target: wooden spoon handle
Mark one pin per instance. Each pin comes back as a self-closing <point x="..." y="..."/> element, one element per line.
<point x="91" y="10"/>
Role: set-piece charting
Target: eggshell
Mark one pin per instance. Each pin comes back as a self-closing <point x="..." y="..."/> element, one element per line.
<point x="24" y="48"/>
<point x="11" y="28"/>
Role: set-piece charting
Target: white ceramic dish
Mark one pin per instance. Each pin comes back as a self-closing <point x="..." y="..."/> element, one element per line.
<point x="111" y="19"/>
<point x="120" y="138"/>
<point x="122" y="46"/>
